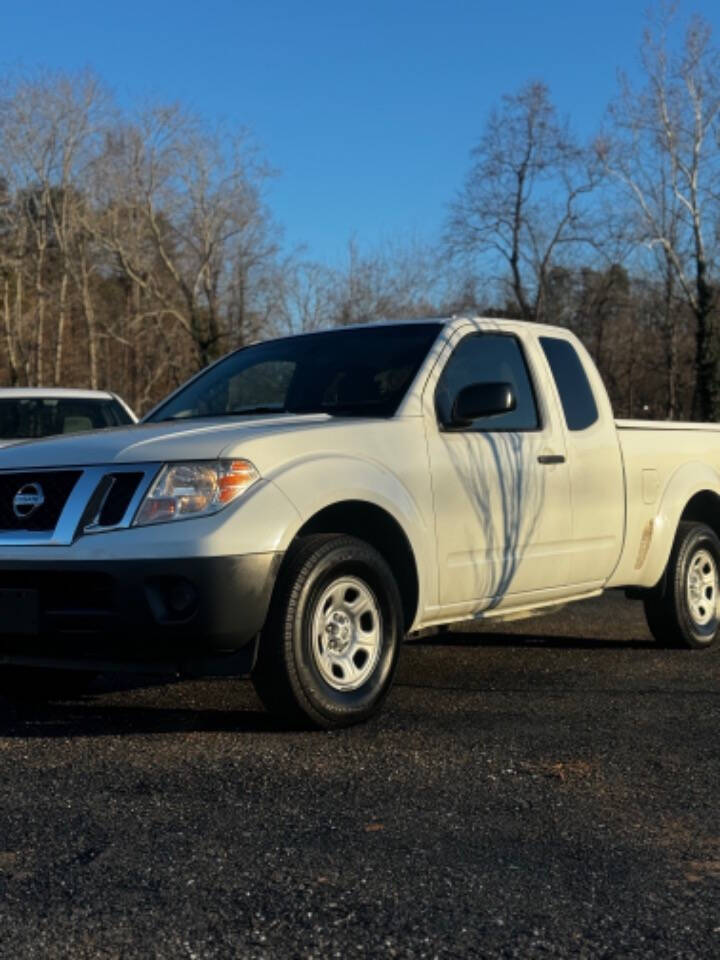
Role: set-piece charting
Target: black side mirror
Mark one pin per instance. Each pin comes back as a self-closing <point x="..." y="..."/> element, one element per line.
<point x="481" y="400"/>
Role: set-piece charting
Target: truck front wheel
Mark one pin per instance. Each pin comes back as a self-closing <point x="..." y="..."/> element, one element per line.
<point x="683" y="611"/>
<point x="329" y="649"/>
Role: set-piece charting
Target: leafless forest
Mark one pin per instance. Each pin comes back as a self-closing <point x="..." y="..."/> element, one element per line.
<point x="136" y="244"/>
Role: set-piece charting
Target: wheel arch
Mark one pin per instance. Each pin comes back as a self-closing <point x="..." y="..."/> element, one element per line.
<point x="693" y="494"/>
<point x="371" y="523"/>
<point x="704" y="507"/>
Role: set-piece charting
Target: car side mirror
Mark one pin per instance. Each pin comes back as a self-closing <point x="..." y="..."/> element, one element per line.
<point x="481" y="400"/>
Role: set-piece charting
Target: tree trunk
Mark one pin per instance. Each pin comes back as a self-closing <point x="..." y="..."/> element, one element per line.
<point x="672" y="371"/>
<point x="90" y="327"/>
<point x="39" y="317"/>
<point x="671" y="344"/>
<point x="9" y="338"/>
<point x="59" y="343"/>
<point x="706" y="399"/>
<point x="17" y="332"/>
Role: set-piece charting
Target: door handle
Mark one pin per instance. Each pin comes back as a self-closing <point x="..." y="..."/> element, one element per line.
<point x="551" y="458"/>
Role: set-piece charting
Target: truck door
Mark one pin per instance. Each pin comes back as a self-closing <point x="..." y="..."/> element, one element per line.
<point x="501" y="486"/>
<point x="596" y="472"/>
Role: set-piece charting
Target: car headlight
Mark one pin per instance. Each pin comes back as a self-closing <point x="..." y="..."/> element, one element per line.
<point x="194" y="489"/>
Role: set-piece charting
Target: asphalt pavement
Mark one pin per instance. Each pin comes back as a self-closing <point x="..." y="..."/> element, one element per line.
<point x="544" y="789"/>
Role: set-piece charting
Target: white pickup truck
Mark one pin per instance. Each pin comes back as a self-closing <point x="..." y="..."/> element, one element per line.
<point x="300" y="506"/>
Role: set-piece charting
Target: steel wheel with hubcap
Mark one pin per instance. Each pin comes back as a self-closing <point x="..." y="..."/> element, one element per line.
<point x="683" y="610"/>
<point x="329" y="649"/>
<point x="347" y="633"/>
<point x="702" y="587"/>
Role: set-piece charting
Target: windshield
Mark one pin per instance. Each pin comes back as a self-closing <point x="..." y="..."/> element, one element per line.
<point x="23" y="418"/>
<point x="361" y="372"/>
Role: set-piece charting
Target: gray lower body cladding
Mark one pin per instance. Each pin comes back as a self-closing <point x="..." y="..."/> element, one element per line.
<point x="179" y="614"/>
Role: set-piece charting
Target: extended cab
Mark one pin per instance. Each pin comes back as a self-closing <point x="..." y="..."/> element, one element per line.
<point x="300" y="506"/>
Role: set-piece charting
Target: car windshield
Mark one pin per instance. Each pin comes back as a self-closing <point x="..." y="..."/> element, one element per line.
<point x="24" y="418"/>
<point x="355" y="372"/>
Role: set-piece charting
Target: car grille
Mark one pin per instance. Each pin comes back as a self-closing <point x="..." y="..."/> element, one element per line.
<point x="56" y="486"/>
<point x="118" y="498"/>
<point x="75" y="502"/>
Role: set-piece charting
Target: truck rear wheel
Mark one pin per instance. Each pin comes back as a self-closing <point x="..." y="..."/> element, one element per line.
<point x="329" y="649"/>
<point x="683" y="612"/>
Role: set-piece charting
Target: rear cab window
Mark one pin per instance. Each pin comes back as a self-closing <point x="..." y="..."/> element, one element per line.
<point x="576" y="396"/>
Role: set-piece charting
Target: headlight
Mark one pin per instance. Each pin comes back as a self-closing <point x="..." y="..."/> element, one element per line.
<point x="195" y="489"/>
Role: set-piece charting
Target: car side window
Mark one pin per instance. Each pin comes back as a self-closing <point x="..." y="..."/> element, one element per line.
<point x="576" y="394"/>
<point x="489" y="358"/>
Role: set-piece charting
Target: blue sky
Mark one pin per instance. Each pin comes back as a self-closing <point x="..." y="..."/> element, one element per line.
<point x="367" y="110"/>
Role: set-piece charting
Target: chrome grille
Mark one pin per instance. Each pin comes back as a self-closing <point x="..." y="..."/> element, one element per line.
<point x="118" y="498"/>
<point x="76" y="501"/>
<point x="55" y="486"/>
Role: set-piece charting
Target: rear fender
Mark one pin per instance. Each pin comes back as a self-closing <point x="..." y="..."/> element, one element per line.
<point x="685" y="483"/>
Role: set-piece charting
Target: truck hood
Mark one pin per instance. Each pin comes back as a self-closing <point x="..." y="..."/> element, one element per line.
<point x="154" y="442"/>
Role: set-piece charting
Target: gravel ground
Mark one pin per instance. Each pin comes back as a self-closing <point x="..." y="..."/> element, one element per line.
<point x="526" y="792"/>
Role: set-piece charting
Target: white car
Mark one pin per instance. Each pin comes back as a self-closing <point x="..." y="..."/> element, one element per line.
<point x="27" y="413"/>
<point x="300" y="506"/>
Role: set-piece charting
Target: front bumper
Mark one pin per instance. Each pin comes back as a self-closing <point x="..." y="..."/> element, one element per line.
<point x="193" y="615"/>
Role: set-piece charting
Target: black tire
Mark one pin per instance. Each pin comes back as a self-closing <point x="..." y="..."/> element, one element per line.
<point x="682" y="610"/>
<point x="39" y="684"/>
<point x="299" y="675"/>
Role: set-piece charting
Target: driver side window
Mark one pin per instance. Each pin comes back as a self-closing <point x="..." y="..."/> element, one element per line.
<point x="489" y="358"/>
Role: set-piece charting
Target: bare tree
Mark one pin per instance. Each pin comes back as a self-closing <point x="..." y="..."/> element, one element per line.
<point x="47" y="125"/>
<point x="664" y="153"/>
<point x="132" y="249"/>
<point x="398" y="279"/>
<point x="181" y="214"/>
<point x="307" y="296"/>
<point x="523" y="198"/>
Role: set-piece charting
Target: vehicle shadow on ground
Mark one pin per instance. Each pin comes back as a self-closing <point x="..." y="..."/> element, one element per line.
<point x="230" y="706"/>
<point x="78" y="720"/>
<point x="451" y="639"/>
<point x="219" y="705"/>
